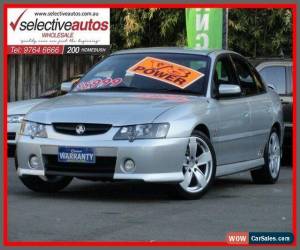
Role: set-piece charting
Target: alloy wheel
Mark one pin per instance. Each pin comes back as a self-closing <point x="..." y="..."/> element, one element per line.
<point x="198" y="166"/>
<point x="274" y="154"/>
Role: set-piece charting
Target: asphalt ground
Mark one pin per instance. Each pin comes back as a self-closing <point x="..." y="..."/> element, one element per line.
<point x="96" y="211"/>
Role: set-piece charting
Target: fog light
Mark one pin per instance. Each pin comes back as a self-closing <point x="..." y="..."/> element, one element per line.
<point x="34" y="161"/>
<point x="129" y="166"/>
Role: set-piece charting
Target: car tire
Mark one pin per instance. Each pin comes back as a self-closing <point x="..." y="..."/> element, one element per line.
<point x="199" y="171"/>
<point x="287" y="159"/>
<point x="48" y="185"/>
<point x="269" y="173"/>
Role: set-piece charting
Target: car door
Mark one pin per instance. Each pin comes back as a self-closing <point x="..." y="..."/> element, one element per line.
<point x="287" y="101"/>
<point x="261" y="112"/>
<point x="231" y="140"/>
<point x="281" y="77"/>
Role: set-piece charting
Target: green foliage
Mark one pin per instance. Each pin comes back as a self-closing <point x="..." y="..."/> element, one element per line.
<point x="260" y="32"/>
<point x="148" y="27"/>
<point x="117" y="20"/>
<point x="252" y="32"/>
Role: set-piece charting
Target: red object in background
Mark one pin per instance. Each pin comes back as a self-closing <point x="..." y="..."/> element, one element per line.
<point x="6" y="241"/>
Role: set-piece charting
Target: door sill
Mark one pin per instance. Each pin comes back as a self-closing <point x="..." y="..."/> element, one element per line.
<point x="237" y="167"/>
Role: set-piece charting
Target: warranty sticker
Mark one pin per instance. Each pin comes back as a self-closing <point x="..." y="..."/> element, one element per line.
<point x="165" y="71"/>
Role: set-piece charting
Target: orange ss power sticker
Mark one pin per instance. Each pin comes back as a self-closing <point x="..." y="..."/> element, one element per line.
<point x="165" y="71"/>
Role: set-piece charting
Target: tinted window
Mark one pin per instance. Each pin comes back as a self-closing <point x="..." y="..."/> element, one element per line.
<point x="113" y="72"/>
<point x="261" y="88"/>
<point x="245" y="77"/>
<point x="289" y="80"/>
<point x="275" y="75"/>
<point x="224" y="73"/>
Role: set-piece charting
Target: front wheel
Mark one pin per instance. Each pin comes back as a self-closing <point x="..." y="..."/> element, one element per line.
<point x="199" y="167"/>
<point x="48" y="184"/>
<point x="269" y="173"/>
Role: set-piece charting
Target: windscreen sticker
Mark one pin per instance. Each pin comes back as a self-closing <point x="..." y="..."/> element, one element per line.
<point x="98" y="83"/>
<point x="166" y="71"/>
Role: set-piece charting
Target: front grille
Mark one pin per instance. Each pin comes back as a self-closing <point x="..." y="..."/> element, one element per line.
<point x="11" y="136"/>
<point x="90" y="128"/>
<point x="103" y="167"/>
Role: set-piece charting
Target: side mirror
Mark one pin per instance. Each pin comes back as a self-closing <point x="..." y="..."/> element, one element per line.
<point x="66" y="86"/>
<point x="271" y="86"/>
<point x="229" y="89"/>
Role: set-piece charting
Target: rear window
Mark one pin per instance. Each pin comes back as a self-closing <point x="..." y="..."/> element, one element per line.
<point x="275" y="75"/>
<point x="289" y="77"/>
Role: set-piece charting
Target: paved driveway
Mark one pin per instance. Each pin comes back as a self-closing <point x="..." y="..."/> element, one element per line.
<point x="98" y="211"/>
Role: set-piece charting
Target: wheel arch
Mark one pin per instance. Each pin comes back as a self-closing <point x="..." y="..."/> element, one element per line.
<point x="277" y="127"/>
<point x="202" y="128"/>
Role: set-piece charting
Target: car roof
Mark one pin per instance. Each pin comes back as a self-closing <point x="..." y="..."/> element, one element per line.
<point x="270" y="61"/>
<point x="284" y="63"/>
<point x="178" y="50"/>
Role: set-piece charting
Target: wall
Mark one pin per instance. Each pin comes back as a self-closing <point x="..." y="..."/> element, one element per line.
<point x="30" y="75"/>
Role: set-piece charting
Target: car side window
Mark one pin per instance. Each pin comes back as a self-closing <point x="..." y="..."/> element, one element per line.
<point x="289" y="80"/>
<point x="223" y="73"/>
<point x="261" y="88"/>
<point x="276" y="76"/>
<point x="245" y="77"/>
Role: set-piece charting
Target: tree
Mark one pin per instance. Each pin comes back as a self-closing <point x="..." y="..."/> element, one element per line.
<point x="251" y="32"/>
<point x="260" y="32"/>
<point x="148" y="27"/>
<point x="117" y="22"/>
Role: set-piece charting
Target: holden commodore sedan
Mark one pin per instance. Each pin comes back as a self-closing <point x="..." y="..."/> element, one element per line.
<point x="160" y="115"/>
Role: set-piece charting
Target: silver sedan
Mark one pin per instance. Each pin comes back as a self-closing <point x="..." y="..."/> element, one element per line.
<point x="168" y="115"/>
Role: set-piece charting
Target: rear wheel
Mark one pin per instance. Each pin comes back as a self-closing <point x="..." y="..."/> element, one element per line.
<point x="199" y="167"/>
<point x="48" y="184"/>
<point x="269" y="173"/>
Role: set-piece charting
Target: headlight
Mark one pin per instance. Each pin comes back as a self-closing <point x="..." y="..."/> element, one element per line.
<point x="15" y="118"/>
<point x="33" y="129"/>
<point x="143" y="131"/>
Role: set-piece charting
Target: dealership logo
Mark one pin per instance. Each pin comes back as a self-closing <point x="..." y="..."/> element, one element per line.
<point x="14" y="25"/>
<point x="58" y="24"/>
<point x="80" y="129"/>
<point x="57" y="27"/>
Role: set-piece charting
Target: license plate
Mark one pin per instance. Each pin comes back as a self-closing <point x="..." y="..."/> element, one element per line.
<point x="76" y="155"/>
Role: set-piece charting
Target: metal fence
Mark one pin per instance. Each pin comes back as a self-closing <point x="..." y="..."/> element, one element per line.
<point x="30" y="75"/>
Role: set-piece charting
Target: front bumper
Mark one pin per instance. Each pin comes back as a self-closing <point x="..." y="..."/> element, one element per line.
<point x="156" y="160"/>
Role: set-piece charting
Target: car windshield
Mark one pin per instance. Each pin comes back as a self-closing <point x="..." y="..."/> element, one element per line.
<point x="148" y="72"/>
